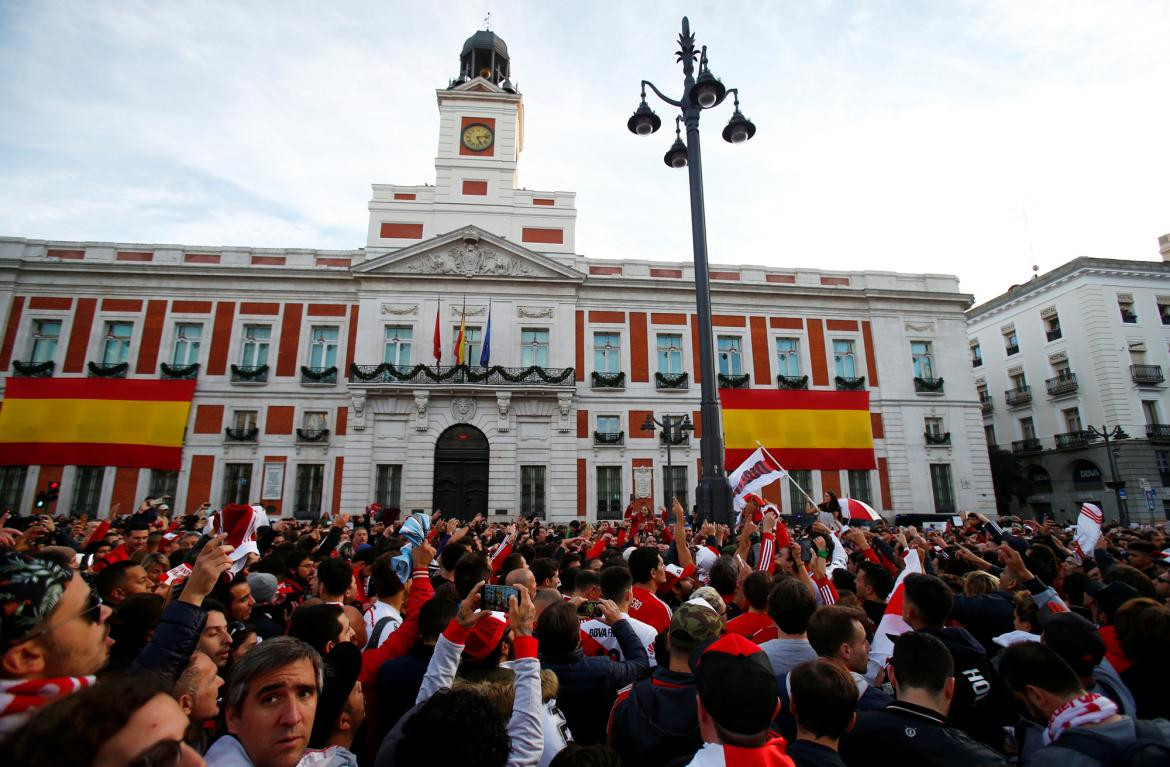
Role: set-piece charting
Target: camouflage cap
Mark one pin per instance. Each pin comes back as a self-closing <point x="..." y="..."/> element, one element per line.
<point x="691" y="625"/>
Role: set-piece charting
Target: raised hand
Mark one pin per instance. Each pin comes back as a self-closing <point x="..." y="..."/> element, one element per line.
<point x="469" y="613"/>
<point x="214" y="559"/>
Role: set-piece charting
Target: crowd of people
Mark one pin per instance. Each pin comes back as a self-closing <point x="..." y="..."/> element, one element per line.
<point x="658" y="639"/>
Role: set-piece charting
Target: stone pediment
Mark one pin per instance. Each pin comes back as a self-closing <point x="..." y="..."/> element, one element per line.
<point x="468" y="253"/>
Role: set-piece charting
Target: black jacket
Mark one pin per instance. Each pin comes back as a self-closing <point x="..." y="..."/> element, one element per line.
<point x="978" y="703"/>
<point x="656" y="721"/>
<point x="986" y="616"/>
<point x="805" y="753"/>
<point x="174" y="640"/>
<point x="589" y="685"/>
<point x="398" y="684"/>
<point x="903" y="733"/>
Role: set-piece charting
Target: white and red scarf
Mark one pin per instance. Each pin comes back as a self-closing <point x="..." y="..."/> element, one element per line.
<point x="1089" y="708"/>
<point x="19" y="698"/>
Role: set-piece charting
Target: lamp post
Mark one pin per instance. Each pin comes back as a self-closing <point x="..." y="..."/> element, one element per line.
<point x="672" y="429"/>
<point x="703" y="92"/>
<point x="1117" y="486"/>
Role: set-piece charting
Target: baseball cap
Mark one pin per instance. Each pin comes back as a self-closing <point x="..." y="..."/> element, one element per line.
<point x="1112" y="596"/>
<point x="484" y="638"/>
<point x="691" y="625"/>
<point x="342" y="666"/>
<point x="1074" y="639"/>
<point x="736" y="684"/>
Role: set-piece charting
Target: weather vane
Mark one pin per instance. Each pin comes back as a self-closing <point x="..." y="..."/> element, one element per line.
<point x="487" y="21"/>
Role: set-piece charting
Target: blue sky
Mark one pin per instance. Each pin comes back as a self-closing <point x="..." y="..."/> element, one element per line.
<point x="972" y="138"/>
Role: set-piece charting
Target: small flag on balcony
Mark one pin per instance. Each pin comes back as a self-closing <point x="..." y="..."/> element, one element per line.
<point x="486" y="353"/>
<point x="438" y="337"/>
<point x="459" y="350"/>
<point x="94" y="422"/>
<point x="827" y="430"/>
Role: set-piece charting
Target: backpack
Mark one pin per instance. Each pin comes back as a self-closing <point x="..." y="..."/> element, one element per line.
<point x="376" y="634"/>
<point x="1149" y="749"/>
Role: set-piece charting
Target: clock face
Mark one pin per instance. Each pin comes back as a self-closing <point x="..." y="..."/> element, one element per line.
<point x="477" y="137"/>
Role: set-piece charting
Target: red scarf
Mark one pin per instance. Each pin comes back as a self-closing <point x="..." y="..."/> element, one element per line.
<point x="19" y="697"/>
<point x="1089" y="708"/>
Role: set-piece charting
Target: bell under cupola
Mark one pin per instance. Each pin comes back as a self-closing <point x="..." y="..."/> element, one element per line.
<point x="485" y="55"/>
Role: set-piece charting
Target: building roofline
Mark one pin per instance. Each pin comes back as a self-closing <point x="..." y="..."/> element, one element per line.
<point x="1062" y="273"/>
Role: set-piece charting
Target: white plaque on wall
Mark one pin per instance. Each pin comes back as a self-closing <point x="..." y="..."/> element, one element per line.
<point x="273" y="486"/>
<point x="643" y="482"/>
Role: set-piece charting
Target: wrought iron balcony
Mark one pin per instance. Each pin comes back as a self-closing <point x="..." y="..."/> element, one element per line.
<point x="1146" y="375"/>
<point x="1062" y="385"/>
<point x="609" y="437"/>
<point x="742" y="381"/>
<point x="679" y="437"/>
<point x="976" y="362"/>
<point x="243" y="434"/>
<point x="986" y="404"/>
<point x="249" y="374"/>
<point x="312" y="435"/>
<point x="454" y="375"/>
<point x="608" y="380"/>
<point x="1019" y="396"/>
<point x="33" y="369"/>
<point x="179" y="372"/>
<point x="845" y="383"/>
<point x="1026" y="446"/>
<point x="928" y="385"/>
<point x="319" y="376"/>
<point x="1012" y="350"/>
<point x="1053" y="334"/>
<point x="1079" y="438"/>
<point x="792" y="382"/>
<point x="1128" y="317"/>
<point x="934" y="439"/>
<point x="1158" y="432"/>
<point x="102" y="370"/>
<point x="672" y="381"/>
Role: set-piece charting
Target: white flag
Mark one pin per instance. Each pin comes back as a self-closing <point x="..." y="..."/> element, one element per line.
<point x="892" y="624"/>
<point x="1088" y="530"/>
<point x="758" y="471"/>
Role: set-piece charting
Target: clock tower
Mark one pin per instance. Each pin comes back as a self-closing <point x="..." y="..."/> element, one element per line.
<point x="481" y="134"/>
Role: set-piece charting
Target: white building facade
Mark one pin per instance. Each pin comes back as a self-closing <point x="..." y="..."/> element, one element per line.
<point x="1085" y="345"/>
<point x="318" y="389"/>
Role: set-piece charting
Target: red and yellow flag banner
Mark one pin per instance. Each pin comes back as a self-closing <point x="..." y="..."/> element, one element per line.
<point x="801" y="429"/>
<point x="94" y="422"/>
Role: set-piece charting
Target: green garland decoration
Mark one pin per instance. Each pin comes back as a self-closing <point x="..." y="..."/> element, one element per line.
<point x="244" y="374"/>
<point x="792" y="382"/>
<point x="464" y="374"/>
<point x="850" y="384"/>
<point x="179" y="371"/>
<point x="608" y="380"/>
<point x="322" y="375"/>
<point x="108" y="371"/>
<point x="734" y="381"/>
<point x="671" y="380"/>
<point x="33" y="369"/>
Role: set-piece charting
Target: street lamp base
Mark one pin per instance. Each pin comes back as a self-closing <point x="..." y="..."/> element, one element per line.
<point x="715" y="501"/>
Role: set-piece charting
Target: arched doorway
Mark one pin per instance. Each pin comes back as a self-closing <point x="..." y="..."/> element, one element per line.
<point x="461" y="472"/>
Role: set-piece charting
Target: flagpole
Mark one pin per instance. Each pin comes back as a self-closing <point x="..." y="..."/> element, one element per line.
<point x="787" y="473"/>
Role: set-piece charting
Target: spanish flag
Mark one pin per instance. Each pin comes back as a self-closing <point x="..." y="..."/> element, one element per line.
<point x="801" y="429"/>
<point x="94" y="422"/>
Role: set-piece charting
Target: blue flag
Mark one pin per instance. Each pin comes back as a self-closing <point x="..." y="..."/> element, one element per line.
<point x="486" y="353"/>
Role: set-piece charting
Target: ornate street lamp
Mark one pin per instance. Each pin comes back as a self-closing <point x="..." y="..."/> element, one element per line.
<point x="699" y="93"/>
<point x="1117" y="486"/>
<point x="673" y="429"/>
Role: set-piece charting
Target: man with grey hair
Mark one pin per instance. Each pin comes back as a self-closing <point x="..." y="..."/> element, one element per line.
<point x="270" y="707"/>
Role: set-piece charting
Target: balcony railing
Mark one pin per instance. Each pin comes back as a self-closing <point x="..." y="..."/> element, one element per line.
<point x="935" y="439"/>
<point x="495" y="375"/>
<point x="976" y="362"/>
<point x="1026" y="446"/>
<point x="312" y="435"/>
<point x="609" y="437"/>
<point x="1146" y="375"/>
<point x="986" y="404"/>
<point x="179" y="372"/>
<point x="1012" y="350"/>
<point x="1158" y="432"/>
<point x="608" y="380"/>
<point x="1018" y="396"/>
<point x="242" y="434"/>
<point x="249" y="373"/>
<point x="102" y="370"/>
<point x="672" y="381"/>
<point x="1079" y="438"/>
<point x="1062" y="385"/>
<point x="33" y="369"/>
<point x="319" y="376"/>
<point x="732" y="381"/>
<point x="928" y="385"/>
<point x="1128" y="317"/>
<point x="1052" y="335"/>
<point x="847" y="383"/>
<point x="792" y="382"/>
